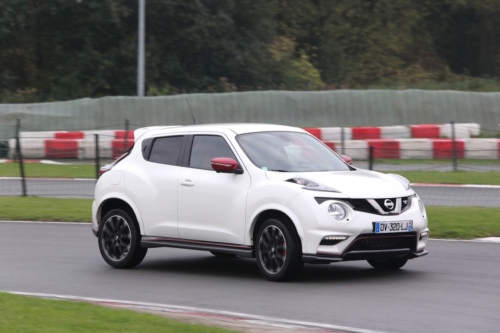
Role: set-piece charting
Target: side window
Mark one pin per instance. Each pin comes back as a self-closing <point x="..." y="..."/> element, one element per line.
<point x="207" y="147"/>
<point x="166" y="150"/>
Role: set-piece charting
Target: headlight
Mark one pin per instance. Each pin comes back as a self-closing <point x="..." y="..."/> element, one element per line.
<point x="422" y="208"/>
<point x="310" y="185"/>
<point x="405" y="182"/>
<point x="337" y="211"/>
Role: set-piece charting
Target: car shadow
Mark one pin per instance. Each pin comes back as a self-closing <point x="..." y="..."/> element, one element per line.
<point x="243" y="268"/>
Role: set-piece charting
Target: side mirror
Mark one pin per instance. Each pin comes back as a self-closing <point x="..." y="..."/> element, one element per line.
<point x="225" y="165"/>
<point x="346" y="159"/>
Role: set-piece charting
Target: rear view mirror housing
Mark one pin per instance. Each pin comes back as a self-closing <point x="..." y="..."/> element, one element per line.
<point x="226" y="165"/>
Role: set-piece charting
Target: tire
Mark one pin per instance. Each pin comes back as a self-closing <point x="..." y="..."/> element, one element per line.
<point x="387" y="263"/>
<point x="120" y="240"/>
<point x="277" y="251"/>
<point x="222" y="254"/>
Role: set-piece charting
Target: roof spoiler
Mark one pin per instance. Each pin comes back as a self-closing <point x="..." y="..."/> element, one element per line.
<point x="143" y="130"/>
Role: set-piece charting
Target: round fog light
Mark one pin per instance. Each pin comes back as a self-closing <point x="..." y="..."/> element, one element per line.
<point x="336" y="211"/>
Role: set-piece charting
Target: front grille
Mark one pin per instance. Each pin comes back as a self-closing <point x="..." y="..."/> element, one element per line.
<point x="390" y="242"/>
<point x="363" y="205"/>
<point x="387" y="205"/>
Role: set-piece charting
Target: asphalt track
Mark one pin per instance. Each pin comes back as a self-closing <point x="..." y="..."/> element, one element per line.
<point x="454" y="289"/>
<point x="431" y="195"/>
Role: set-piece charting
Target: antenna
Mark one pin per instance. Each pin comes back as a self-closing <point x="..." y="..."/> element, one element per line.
<point x="194" y="121"/>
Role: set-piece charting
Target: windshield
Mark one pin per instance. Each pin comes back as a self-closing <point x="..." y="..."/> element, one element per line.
<point x="289" y="152"/>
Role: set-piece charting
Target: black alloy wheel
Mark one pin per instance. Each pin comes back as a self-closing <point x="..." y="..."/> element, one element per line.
<point x="119" y="240"/>
<point x="277" y="251"/>
<point x="395" y="263"/>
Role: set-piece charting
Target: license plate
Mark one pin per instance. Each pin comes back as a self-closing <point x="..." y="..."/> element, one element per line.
<point x="398" y="226"/>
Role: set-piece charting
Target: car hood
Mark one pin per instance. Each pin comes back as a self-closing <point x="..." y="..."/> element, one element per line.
<point x="357" y="184"/>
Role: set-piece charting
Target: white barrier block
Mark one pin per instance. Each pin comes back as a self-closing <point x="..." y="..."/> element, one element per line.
<point x="474" y="129"/>
<point x="356" y="149"/>
<point x="86" y="149"/>
<point x="335" y="133"/>
<point x="481" y="148"/>
<point x="415" y="148"/>
<point x="37" y="135"/>
<point x="30" y="148"/>
<point x="395" y="132"/>
<point x="12" y="147"/>
<point x="461" y="132"/>
<point x="103" y="134"/>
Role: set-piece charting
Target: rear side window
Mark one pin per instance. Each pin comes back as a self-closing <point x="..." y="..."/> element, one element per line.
<point x="166" y="150"/>
<point x="207" y="147"/>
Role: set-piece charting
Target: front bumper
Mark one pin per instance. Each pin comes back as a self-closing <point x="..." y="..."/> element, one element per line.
<point x="363" y="255"/>
<point x="318" y="225"/>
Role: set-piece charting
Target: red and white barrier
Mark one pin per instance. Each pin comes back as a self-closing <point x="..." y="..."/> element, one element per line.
<point x="390" y="142"/>
<point x="425" y="131"/>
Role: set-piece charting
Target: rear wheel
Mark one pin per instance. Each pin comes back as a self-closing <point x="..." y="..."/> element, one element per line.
<point x="120" y="240"/>
<point x="277" y="251"/>
<point x="222" y="254"/>
<point x="387" y="263"/>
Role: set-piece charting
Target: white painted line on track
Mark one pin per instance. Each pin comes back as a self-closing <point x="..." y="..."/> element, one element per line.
<point x="454" y="185"/>
<point x="43" y="178"/>
<point x="477" y="240"/>
<point x="44" y="222"/>
<point x="201" y="312"/>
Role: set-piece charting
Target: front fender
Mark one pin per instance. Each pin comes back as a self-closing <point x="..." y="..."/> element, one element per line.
<point x="285" y="210"/>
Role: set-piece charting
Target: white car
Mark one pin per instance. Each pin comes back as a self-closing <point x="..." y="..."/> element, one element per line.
<point x="274" y="193"/>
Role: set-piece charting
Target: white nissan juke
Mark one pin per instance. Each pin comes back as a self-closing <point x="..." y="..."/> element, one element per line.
<point x="274" y="193"/>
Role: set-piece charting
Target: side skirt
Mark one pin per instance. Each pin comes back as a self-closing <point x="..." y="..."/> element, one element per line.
<point x="239" y="250"/>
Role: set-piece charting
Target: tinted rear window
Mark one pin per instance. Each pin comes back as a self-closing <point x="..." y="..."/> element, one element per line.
<point x="166" y="150"/>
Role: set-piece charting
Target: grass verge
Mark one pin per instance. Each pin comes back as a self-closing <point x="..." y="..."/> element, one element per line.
<point x="456" y="177"/>
<point x="36" y="170"/>
<point x="45" y="209"/>
<point x="28" y="314"/>
<point x="463" y="222"/>
<point x="444" y="222"/>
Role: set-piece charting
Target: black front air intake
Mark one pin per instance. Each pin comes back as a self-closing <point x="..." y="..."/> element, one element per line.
<point x="370" y="242"/>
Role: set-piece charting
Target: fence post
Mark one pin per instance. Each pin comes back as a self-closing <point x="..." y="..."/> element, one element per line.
<point x="370" y="157"/>
<point x="97" y="157"/>
<point x="454" y="146"/>
<point x="20" y="156"/>
<point x="342" y="139"/>
<point x="125" y="137"/>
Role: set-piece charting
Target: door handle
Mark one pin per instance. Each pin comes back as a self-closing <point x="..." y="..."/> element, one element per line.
<point x="187" y="182"/>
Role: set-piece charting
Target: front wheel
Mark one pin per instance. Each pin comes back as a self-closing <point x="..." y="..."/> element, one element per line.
<point x="387" y="263"/>
<point x="277" y="251"/>
<point x="120" y="240"/>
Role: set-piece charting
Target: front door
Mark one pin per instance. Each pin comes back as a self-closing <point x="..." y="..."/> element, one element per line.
<point x="211" y="206"/>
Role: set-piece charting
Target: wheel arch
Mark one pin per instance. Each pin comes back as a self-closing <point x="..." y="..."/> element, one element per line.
<point x="268" y="211"/>
<point x="119" y="201"/>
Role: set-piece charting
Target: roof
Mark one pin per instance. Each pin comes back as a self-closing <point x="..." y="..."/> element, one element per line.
<point x="238" y="128"/>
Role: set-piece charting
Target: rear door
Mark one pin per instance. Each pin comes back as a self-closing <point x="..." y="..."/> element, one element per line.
<point x="211" y="205"/>
<point x="152" y="184"/>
